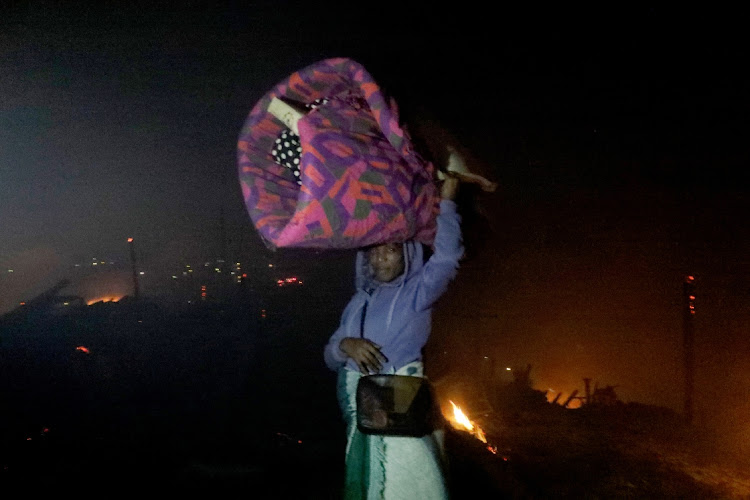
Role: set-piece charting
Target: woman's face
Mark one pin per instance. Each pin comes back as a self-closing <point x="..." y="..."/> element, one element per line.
<point x="386" y="261"/>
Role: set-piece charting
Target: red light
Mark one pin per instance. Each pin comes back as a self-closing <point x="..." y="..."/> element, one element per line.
<point x="130" y="240"/>
<point x="83" y="349"/>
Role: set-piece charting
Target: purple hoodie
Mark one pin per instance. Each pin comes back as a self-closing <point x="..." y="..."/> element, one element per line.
<point x="399" y="313"/>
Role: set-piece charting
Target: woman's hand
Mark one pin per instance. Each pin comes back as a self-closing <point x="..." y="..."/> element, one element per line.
<point x="449" y="189"/>
<point x="367" y="354"/>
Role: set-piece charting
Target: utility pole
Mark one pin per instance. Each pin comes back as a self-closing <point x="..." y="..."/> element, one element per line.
<point x="688" y="292"/>
<point x="136" y="292"/>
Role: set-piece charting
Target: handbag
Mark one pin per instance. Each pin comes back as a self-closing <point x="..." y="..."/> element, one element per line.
<point x="396" y="405"/>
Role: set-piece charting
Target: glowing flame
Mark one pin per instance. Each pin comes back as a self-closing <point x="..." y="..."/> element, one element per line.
<point x="461" y="418"/>
<point x="103" y="299"/>
<point x="462" y="421"/>
<point x="479" y="433"/>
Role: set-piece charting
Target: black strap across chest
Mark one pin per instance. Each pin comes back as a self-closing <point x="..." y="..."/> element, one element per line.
<point x="362" y="321"/>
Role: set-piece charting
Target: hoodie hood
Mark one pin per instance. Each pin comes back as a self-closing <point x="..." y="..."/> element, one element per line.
<point x="413" y="262"/>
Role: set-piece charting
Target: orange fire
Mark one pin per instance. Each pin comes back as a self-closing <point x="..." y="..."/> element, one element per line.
<point x="461" y="421"/>
<point x="460" y="417"/>
<point x="104" y="299"/>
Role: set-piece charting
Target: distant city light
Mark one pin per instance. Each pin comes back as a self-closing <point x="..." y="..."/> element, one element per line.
<point x="508" y="369"/>
<point x="130" y="240"/>
<point x="142" y="273"/>
<point x="270" y="265"/>
<point x="10" y="270"/>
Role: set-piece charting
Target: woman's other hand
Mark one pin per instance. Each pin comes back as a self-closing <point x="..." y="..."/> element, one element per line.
<point x="366" y="354"/>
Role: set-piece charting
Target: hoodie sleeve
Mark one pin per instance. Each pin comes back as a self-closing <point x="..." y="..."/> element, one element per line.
<point x="332" y="355"/>
<point x="442" y="266"/>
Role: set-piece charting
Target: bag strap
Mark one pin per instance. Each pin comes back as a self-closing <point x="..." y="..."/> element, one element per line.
<point x="362" y="321"/>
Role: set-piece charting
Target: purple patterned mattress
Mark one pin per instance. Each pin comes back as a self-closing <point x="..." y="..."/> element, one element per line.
<point x="356" y="179"/>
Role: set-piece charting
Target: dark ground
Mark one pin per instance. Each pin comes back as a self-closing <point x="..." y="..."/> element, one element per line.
<point x="221" y="401"/>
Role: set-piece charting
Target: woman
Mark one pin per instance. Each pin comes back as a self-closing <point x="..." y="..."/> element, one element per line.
<point x="383" y="330"/>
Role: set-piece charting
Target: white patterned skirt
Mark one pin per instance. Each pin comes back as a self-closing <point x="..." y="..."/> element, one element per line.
<point x="389" y="467"/>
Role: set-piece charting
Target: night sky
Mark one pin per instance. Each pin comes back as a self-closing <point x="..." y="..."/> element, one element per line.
<point x="618" y="138"/>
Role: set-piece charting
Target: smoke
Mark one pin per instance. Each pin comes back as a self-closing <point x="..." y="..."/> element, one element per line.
<point x="103" y="285"/>
<point x="26" y="274"/>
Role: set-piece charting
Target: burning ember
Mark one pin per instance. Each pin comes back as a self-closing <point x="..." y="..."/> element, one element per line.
<point x="289" y="281"/>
